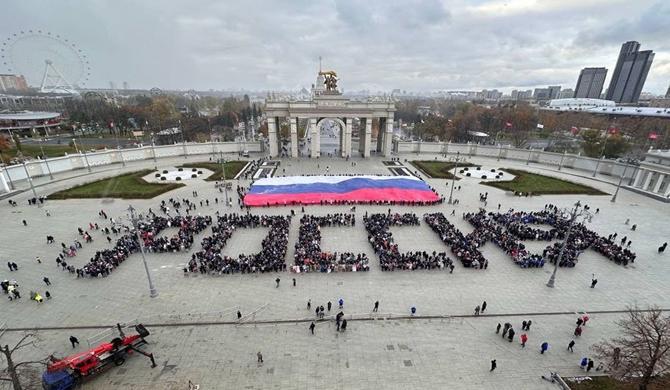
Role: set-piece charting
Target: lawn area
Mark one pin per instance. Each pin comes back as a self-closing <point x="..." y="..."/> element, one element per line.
<point x="540" y="184"/>
<point x="127" y="186"/>
<point x="33" y="150"/>
<point x="232" y="169"/>
<point x="439" y="169"/>
<point x="607" y="383"/>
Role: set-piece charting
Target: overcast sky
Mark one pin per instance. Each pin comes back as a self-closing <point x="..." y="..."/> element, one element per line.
<point x="418" y="45"/>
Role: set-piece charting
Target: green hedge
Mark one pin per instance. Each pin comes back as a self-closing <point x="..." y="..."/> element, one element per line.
<point x="440" y="169"/>
<point x="541" y="185"/>
<point x="126" y="186"/>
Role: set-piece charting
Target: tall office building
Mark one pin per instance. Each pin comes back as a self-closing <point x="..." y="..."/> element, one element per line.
<point x="667" y="94"/>
<point x="630" y="73"/>
<point x="554" y="91"/>
<point x="590" y="83"/>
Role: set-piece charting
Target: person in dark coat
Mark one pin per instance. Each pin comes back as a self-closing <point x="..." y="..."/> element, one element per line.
<point x="510" y="335"/>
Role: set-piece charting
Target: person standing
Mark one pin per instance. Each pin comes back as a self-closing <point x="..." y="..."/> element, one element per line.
<point x="523" y="325"/>
<point x="293" y="282"/>
<point x="73" y="341"/>
<point x="477" y="309"/>
<point x="341" y="302"/>
<point x="494" y="365"/>
<point x="589" y="365"/>
<point x="594" y="281"/>
<point x="344" y="325"/>
<point x="528" y="325"/>
<point x="375" y="309"/>
<point x="311" y="327"/>
<point x="510" y="335"/>
<point x="524" y="338"/>
<point x="572" y="344"/>
<point x="239" y="315"/>
<point x="498" y="328"/>
<point x="544" y="347"/>
<point x="329" y="305"/>
<point x="46" y="281"/>
<point x="259" y="355"/>
<point x="309" y="304"/>
<point x="277" y="280"/>
<point x="483" y="307"/>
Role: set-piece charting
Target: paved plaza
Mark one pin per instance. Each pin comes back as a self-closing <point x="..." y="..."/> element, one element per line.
<point x="196" y="335"/>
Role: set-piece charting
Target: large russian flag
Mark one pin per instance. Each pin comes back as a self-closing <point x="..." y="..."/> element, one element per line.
<point x="314" y="189"/>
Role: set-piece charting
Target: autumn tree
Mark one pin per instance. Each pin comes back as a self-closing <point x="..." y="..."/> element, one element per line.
<point x="642" y="353"/>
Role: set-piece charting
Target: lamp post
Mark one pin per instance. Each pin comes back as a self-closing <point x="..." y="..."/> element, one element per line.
<point x="560" y="165"/>
<point x="453" y="178"/>
<point x="74" y="141"/>
<point x="223" y="171"/>
<point x="183" y="140"/>
<point x="625" y="168"/>
<point x="30" y="181"/>
<point x="573" y="216"/>
<point x="134" y="219"/>
<point x="46" y="161"/>
<point x="118" y="144"/>
<point x="530" y="152"/>
<point x="153" y="150"/>
<point x="602" y="155"/>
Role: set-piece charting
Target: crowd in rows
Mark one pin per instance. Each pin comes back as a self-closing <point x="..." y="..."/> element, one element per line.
<point x="507" y="230"/>
<point x="380" y="237"/>
<point x="210" y="260"/>
<point x="308" y="255"/>
<point x="460" y="244"/>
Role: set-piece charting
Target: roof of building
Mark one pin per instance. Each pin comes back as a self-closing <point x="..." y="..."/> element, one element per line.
<point x="605" y="107"/>
<point x="28" y="115"/>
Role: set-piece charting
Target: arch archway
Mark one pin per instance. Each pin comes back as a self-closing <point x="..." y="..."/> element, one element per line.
<point x="332" y="142"/>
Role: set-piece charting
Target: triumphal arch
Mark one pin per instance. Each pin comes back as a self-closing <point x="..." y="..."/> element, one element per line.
<point x="326" y="103"/>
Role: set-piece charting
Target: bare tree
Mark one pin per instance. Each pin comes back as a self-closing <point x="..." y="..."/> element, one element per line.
<point x="23" y="372"/>
<point x="640" y="355"/>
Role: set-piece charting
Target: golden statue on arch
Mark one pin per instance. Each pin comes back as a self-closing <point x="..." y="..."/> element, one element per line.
<point x="329" y="80"/>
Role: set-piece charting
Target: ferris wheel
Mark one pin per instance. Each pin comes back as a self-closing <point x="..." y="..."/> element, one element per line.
<point x="47" y="60"/>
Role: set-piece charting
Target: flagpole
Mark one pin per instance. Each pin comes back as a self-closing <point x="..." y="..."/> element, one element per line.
<point x="602" y="154"/>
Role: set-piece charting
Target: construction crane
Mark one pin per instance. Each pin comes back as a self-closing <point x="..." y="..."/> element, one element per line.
<point x="68" y="372"/>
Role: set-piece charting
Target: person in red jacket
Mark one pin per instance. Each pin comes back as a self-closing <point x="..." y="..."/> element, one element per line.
<point x="524" y="338"/>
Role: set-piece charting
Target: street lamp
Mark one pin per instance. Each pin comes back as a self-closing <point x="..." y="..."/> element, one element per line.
<point x="453" y="177"/>
<point x="74" y="141"/>
<point x="223" y="169"/>
<point x="183" y="140"/>
<point x="574" y="213"/>
<point x="153" y="150"/>
<point x="30" y="181"/>
<point x="134" y="219"/>
<point x="51" y="176"/>
<point x="625" y="168"/>
<point x="118" y="145"/>
<point x="602" y="155"/>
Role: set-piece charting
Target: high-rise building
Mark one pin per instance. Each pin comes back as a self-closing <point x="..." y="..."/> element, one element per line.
<point x="630" y="73"/>
<point x="554" y="91"/>
<point x="667" y="94"/>
<point x="566" y="93"/>
<point x="12" y="82"/>
<point x="590" y="83"/>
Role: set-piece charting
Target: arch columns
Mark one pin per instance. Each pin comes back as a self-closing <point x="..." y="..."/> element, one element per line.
<point x="294" y="137"/>
<point x="346" y="147"/>
<point x="388" y="136"/>
<point x="365" y="138"/>
<point x="316" y="143"/>
<point x="272" y="136"/>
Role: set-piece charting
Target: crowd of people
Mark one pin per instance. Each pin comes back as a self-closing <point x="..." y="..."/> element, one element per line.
<point x="308" y="255"/>
<point x="507" y="230"/>
<point x="381" y="238"/>
<point x="460" y="245"/>
<point x="209" y="260"/>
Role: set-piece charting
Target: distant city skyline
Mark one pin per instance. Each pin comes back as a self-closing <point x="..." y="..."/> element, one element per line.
<point x="422" y="45"/>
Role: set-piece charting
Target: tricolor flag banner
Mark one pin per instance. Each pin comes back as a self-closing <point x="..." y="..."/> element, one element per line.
<point x="574" y="129"/>
<point x="356" y="189"/>
<point x="653" y="136"/>
<point x="540" y="126"/>
<point x="508" y="124"/>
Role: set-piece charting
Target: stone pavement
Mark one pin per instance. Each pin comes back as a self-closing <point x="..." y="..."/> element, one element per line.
<point x="422" y="353"/>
